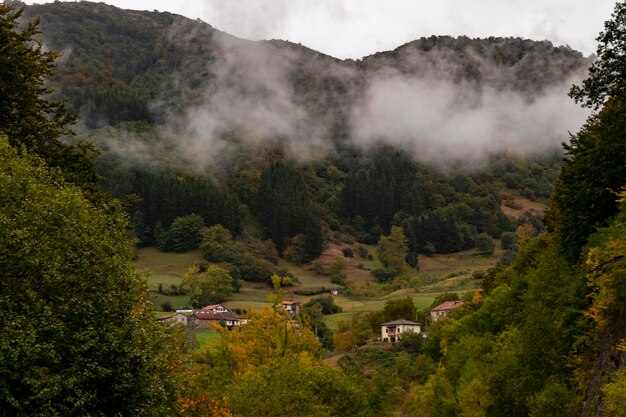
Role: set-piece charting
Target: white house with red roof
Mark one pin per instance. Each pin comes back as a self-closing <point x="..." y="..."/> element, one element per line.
<point x="215" y="308"/>
<point x="217" y="314"/>
<point x="292" y="307"/>
<point x="441" y="311"/>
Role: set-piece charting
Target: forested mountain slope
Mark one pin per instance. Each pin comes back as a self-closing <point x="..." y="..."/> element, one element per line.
<point x="431" y="136"/>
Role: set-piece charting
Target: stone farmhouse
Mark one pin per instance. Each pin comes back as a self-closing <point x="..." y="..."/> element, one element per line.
<point x="217" y="314"/>
<point x="393" y="330"/>
<point x="441" y="311"/>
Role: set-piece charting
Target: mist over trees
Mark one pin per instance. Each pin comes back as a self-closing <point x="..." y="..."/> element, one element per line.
<point x="238" y="132"/>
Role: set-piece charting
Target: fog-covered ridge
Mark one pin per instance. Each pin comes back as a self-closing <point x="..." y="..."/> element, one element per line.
<point x="441" y="98"/>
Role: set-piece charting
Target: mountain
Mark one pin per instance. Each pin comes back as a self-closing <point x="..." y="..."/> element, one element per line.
<point x="436" y="136"/>
<point x="123" y="65"/>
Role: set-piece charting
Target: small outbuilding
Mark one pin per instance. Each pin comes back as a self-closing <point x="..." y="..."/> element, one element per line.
<point x="174" y="318"/>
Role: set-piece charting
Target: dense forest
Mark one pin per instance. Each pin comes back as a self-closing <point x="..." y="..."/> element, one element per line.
<point x="191" y="120"/>
<point x="544" y="335"/>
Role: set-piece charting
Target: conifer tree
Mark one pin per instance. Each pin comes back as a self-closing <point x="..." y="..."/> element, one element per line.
<point x="28" y="118"/>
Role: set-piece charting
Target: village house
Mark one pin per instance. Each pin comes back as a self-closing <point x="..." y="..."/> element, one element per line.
<point x="215" y="308"/>
<point x="292" y="307"/>
<point x="441" y="311"/>
<point x="217" y="314"/>
<point x="391" y="331"/>
<point x="174" y="318"/>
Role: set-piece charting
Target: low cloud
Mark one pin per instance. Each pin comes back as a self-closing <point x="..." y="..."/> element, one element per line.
<point x="441" y="122"/>
<point x="249" y="100"/>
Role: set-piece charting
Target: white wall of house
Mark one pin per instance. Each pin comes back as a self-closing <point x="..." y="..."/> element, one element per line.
<point x="389" y="333"/>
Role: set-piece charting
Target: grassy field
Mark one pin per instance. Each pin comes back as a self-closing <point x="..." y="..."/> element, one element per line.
<point x="308" y="279"/>
<point x="373" y="263"/>
<point x="166" y="281"/>
<point x="167" y="263"/>
<point x="176" y="301"/>
<point x="353" y="306"/>
<point x="438" y="273"/>
<point x="166" y="269"/>
<point x="207" y="337"/>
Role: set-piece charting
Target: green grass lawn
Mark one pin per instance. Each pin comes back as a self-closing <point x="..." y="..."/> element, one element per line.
<point x="207" y="337"/>
<point x="166" y="280"/>
<point x="440" y="273"/>
<point x="247" y="305"/>
<point x="176" y="301"/>
<point x="354" y="306"/>
<point x="166" y="268"/>
<point x="373" y="263"/>
<point x="251" y="292"/>
<point x="307" y="278"/>
<point x="332" y="320"/>
<point x="167" y="263"/>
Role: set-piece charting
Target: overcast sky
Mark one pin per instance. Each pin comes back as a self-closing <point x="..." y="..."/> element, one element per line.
<point x="355" y="28"/>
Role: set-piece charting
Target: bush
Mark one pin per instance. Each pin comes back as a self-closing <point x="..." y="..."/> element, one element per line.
<point x="509" y="240"/>
<point x="383" y="274"/>
<point x="508" y="257"/>
<point x="327" y="303"/>
<point x="347" y="252"/>
<point x="485" y="244"/>
<point x="167" y="306"/>
<point x="296" y="251"/>
<point x="429" y="249"/>
<point x="448" y="296"/>
<point x="255" y="269"/>
<point x="339" y="279"/>
<point x="411" y="342"/>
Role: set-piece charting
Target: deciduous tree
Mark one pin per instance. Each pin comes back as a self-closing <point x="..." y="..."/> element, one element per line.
<point x="212" y="286"/>
<point x="77" y="336"/>
<point x="392" y="251"/>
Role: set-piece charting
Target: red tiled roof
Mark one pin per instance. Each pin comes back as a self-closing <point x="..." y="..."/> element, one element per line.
<point x="401" y="321"/>
<point x="212" y="307"/>
<point x="448" y="305"/>
<point x="167" y="316"/>
<point x="207" y="315"/>
<point x="290" y="302"/>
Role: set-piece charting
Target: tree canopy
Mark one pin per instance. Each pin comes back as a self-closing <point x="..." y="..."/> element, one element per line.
<point x="208" y="287"/>
<point x="78" y="337"/>
<point x="607" y="75"/>
<point x="28" y="117"/>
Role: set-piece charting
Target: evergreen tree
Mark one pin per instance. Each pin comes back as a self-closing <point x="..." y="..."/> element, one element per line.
<point x="607" y="75"/>
<point x="584" y="196"/>
<point x="27" y="117"/>
<point x="285" y="209"/>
